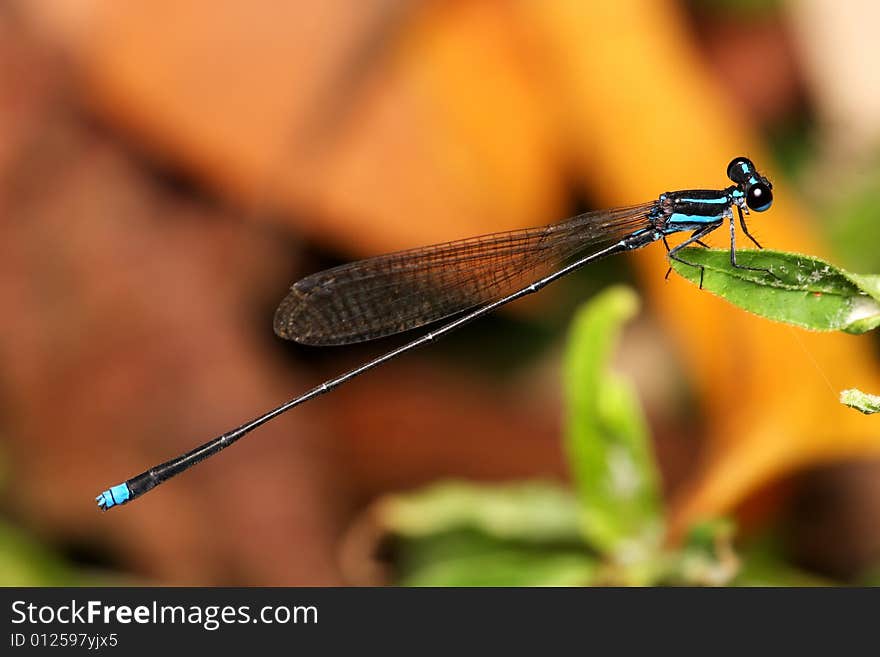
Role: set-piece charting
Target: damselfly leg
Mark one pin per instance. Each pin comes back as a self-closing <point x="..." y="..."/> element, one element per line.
<point x="733" y="262"/>
<point x="745" y="229"/>
<point x="693" y="239"/>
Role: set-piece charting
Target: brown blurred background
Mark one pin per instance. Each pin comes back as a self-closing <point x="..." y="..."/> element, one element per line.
<point x="167" y="169"/>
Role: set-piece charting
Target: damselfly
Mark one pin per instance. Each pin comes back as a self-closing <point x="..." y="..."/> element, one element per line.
<point x="400" y="291"/>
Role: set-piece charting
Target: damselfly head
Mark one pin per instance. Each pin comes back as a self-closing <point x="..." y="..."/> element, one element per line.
<point x="755" y="187"/>
<point x="759" y="197"/>
<point x="740" y="170"/>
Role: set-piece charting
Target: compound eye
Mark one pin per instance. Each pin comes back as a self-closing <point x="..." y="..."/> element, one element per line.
<point x="740" y="169"/>
<point x="759" y="197"/>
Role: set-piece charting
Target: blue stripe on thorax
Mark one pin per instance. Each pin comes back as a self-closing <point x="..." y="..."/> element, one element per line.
<point x="680" y="218"/>
<point x="721" y="199"/>
<point x="694" y="209"/>
<point x="679" y="222"/>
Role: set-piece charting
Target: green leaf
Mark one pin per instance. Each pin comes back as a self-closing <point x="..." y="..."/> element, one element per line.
<point x="870" y="577"/>
<point x="861" y="401"/>
<point x="707" y="557"/>
<point x="606" y="436"/>
<point x="851" y="219"/>
<point x="763" y="563"/>
<point x="468" y="558"/>
<point x="531" y="511"/>
<point x="806" y="292"/>
<point x="25" y="562"/>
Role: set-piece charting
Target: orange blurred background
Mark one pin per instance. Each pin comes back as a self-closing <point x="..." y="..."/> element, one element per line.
<point x="169" y="168"/>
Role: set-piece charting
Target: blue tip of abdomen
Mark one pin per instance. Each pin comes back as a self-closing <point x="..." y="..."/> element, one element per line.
<point x="113" y="496"/>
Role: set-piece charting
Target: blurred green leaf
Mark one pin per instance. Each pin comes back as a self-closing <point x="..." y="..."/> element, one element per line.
<point x="791" y="139"/>
<point x="606" y="436"/>
<point x="24" y="562"/>
<point x="852" y="218"/>
<point x="470" y="558"/>
<point x="871" y="577"/>
<point x="808" y="292"/>
<point x="707" y="557"/>
<point x="531" y="511"/>
<point x="763" y="563"/>
<point x="861" y="401"/>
